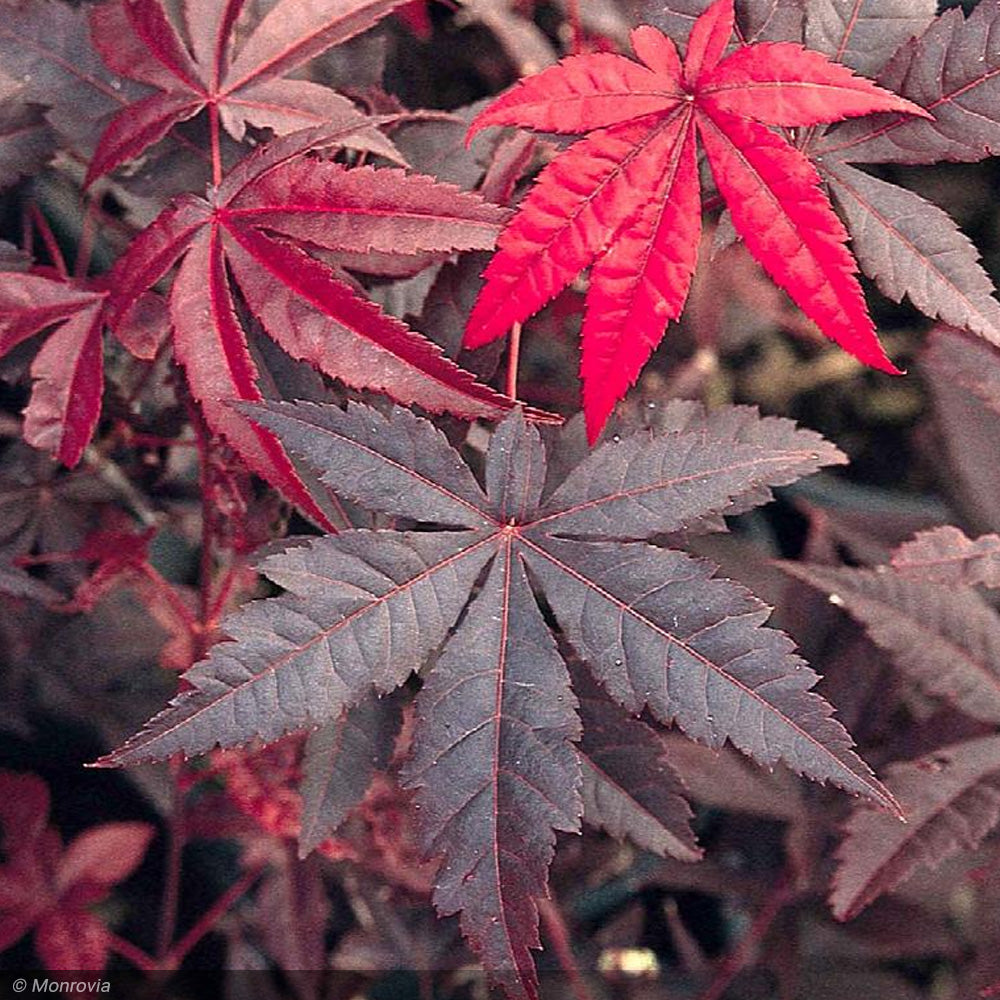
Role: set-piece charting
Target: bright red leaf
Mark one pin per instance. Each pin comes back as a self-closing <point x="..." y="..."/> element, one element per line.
<point x="248" y="246"/>
<point x="626" y="199"/>
<point x="137" y="39"/>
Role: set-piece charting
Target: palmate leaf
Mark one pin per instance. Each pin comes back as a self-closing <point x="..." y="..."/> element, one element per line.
<point x="249" y="246"/>
<point x="626" y="198"/>
<point x="494" y="764"/>
<point x="945" y="639"/>
<point x="951" y="798"/>
<point x="137" y="39"/>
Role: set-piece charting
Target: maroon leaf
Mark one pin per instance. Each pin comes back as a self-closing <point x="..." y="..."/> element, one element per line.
<point x="48" y="889"/>
<point x="353" y="602"/>
<point x="951" y="70"/>
<point x="951" y="799"/>
<point x="138" y="39"/>
<point x="723" y="462"/>
<point x="250" y="245"/>
<point x="946" y="555"/>
<point x="629" y="788"/>
<point x="104" y="855"/>
<point x="399" y="464"/>
<point x="68" y="371"/>
<point x="68" y="380"/>
<point x="945" y="639"/>
<point x="339" y="762"/>
<point x="293" y="33"/>
<point x="493" y="760"/>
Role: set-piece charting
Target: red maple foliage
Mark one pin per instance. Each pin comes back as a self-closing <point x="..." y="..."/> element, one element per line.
<point x="510" y="648"/>
<point x="137" y="39"/>
<point x="49" y="888"/>
<point x="627" y="197"/>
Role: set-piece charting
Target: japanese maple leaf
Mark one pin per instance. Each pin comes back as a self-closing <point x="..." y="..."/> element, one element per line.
<point x="626" y="198"/>
<point x="48" y="888"/>
<point x="68" y="371"/>
<point x="942" y="636"/>
<point x="137" y="39"/>
<point x="250" y="243"/>
<point x="508" y="747"/>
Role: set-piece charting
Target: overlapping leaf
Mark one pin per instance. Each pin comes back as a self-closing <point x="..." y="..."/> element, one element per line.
<point x="951" y="799"/>
<point x="45" y="48"/>
<point x="339" y="762"/>
<point x="863" y="34"/>
<point x="626" y="199"/>
<point x="906" y="244"/>
<point x="951" y="70"/>
<point x="68" y="370"/>
<point x="248" y="248"/>
<point x="494" y="764"/>
<point x="137" y="39"/>
<point x="628" y="786"/>
<point x="947" y="555"/>
<point x="947" y="640"/>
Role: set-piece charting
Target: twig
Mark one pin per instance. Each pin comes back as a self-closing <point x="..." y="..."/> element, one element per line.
<point x="558" y="934"/>
<point x="212" y="916"/>
<point x="513" y="357"/>
<point x="172" y="885"/>
<point x="735" y="961"/>
<point x="131" y="953"/>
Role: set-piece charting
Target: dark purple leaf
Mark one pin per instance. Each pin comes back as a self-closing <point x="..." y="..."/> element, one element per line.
<point x="361" y="612"/>
<point x="952" y="71"/>
<point x="493" y="760"/>
<point x="945" y="639"/>
<point x="911" y="247"/>
<point x="863" y="34"/>
<point x="946" y="555"/>
<point x="659" y="632"/>
<point x="340" y="760"/>
<point x="637" y="486"/>
<point x="629" y="787"/>
<point x="495" y="771"/>
<point x="951" y="799"/>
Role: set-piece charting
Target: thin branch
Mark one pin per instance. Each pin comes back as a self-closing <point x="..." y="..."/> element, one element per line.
<point x="513" y="357"/>
<point x="742" y="956"/>
<point x="558" y="934"/>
